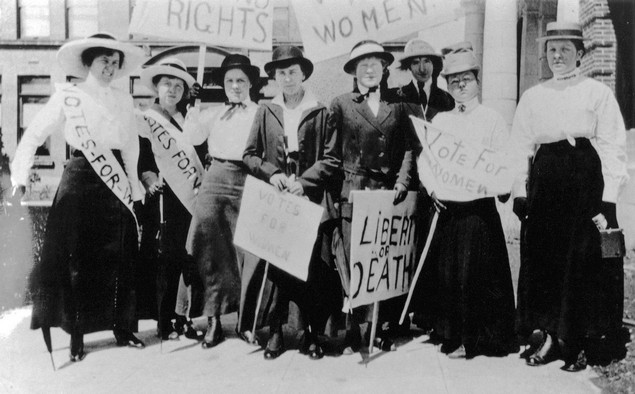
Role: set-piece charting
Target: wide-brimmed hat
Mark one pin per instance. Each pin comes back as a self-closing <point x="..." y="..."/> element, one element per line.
<point x="366" y="48"/>
<point x="562" y="31"/>
<point x="286" y="55"/>
<point x="459" y="58"/>
<point x="170" y="66"/>
<point x="236" y="60"/>
<point x="69" y="55"/>
<point x="418" y="48"/>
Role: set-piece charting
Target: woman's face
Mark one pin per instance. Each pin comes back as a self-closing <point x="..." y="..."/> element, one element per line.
<point x="237" y="85"/>
<point x="421" y="68"/>
<point x="104" y="67"/>
<point x="562" y="56"/>
<point x="463" y="86"/>
<point x="369" y="71"/>
<point x="170" y="90"/>
<point x="290" y="79"/>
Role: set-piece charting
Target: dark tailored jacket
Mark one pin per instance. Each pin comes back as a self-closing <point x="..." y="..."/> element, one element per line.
<point x="318" y="155"/>
<point x="439" y="100"/>
<point x="375" y="147"/>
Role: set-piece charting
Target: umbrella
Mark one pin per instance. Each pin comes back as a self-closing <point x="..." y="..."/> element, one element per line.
<point x="46" y="333"/>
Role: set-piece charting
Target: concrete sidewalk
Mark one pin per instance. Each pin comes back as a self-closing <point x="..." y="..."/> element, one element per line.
<point x="236" y="367"/>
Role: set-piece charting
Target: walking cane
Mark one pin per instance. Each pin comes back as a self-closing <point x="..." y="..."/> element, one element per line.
<point x="433" y="226"/>
<point x="46" y="333"/>
<point x="260" y="293"/>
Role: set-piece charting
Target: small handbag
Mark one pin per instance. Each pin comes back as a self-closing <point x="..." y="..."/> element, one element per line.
<point x="612" y="243"/>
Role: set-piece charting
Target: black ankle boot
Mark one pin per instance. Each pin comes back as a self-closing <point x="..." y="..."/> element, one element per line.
<point x="77" y="347"/>
<point x="547" y="352"/>
<point x="275" y="344"/>
<point x="214" y="334"/>
<point x="125" y="337"/>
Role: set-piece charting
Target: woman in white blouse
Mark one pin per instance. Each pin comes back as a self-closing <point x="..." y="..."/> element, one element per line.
<point x="568" y="296"/>
<point x="473" y="304"/>
<point x="221" y="264"/>
<point x="84" y="280"/>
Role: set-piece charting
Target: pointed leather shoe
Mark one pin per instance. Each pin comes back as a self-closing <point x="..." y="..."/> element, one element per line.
<point x="77" y="348"/>
<point x="577" y="365"/>
<point x="546" y="353"/>
<point x="214" y="334"/>
<point x="127" y="338"/>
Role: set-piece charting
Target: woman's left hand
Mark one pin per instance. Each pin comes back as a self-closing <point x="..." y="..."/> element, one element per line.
<point x="400" y="193"/>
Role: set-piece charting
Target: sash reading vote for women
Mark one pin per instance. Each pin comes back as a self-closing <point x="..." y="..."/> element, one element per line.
<point x="76" y="103"/>
<point x="177" y="161"/>
<point x="459" y="169"/>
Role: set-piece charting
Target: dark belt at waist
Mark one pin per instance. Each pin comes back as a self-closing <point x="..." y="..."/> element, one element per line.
<point x="116" y="152"/>
<point x="371" y="173"/>
<point x="580" y="142"/>
<point x="220" y="160"/>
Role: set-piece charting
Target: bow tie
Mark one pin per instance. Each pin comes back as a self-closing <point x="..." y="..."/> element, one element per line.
<point x="461" y="107"/>
<point x="233" y="107"/>
<point x="367" y="94"/>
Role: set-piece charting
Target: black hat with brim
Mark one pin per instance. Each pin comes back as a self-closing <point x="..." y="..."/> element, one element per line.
<point x="239" y="61"/>
<point x="288" y="55"/>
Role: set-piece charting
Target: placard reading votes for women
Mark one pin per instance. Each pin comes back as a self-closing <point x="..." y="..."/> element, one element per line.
<point x="382" y="246"/>
<point x="278" y="227"/>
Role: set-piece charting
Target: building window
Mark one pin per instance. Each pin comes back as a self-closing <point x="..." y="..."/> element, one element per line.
<point x="33" y="19"/>
<point x="81" y="18"/>
<point x="34" y="92"/>
<point x="142" y="96"/>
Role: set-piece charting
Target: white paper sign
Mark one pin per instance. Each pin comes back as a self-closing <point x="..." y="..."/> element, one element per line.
<point x="228" y="23"/>
<point x="330" y="28"/>
<point x="458" y="169"/>
<point x="278" y="227"/>
<point x="383" y="246"/>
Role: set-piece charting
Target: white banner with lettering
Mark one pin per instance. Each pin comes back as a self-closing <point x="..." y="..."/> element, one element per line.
<point x="330" y="28"/>
<point x="228" y="23"/>
<point x="278" y="227"/>
<point x="383" y="246"/>
<point x="457" y="169"/>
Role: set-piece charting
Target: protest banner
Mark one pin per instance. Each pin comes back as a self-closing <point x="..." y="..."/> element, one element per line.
<point x="278" y="227"/>
<point x="383" y="246"/>
<point x="330" y="28"/>
<point x="459" y="169"/>
<point x="229" y="23"/>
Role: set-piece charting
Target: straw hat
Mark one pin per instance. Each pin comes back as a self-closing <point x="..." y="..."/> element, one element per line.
<point x="366" y="48"/>
<point x="459" y="58"/>
<point x="169" y="66"/>
<point x="69" y="55"/>
<point x="286" y="55"/>
<point x="562" y="31"/>
<point x="418" y="48"/>
<point x="236" y="60"/>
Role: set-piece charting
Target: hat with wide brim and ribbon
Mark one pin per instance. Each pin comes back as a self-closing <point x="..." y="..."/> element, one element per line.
<point x="69" y="55"/>
<point x="285" y="56"/>
<point x="169" y="66"/>
<point x="562" y="31"/>
<point x="419" y="48"/>
<point x="364" y="49"/>
<point x="239" y="61"/>
<point x="459" y="58"/>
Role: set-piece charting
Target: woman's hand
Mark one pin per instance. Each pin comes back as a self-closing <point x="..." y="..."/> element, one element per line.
<point x="151" y="182"/>
<point x="400" y="193"/>
<point x="294" y="187"/>
<point x="438" y="205"/>
<point x="195" y="91"/>
<point x="279" y="181"/>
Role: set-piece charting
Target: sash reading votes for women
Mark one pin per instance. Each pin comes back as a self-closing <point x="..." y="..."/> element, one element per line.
<point x="176" y="160"/>
<point x="461" y="169"/>
<point x="76" y="103"/>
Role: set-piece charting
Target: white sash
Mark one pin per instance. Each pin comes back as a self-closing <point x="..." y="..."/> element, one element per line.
<point x="177" y="161"/>
<point x="76" y="103"/>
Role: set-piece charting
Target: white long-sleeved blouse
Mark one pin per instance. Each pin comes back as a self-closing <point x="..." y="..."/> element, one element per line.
<point x="568" y="107"/>
<point x="226" y="138"/>
<point x="114" y="128"/>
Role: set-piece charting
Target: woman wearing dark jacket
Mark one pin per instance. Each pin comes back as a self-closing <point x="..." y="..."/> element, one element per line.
<point x="376" y="140"/>
<point x="291" y="148"/>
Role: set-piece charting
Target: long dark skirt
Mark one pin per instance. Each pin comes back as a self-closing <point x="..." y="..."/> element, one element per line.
<point x="472" y="280"/>
<point x="85" y="277"/>
<point x="162" y="257"/>
<point x="562" y="286"/>
<point x="226" y="270"/>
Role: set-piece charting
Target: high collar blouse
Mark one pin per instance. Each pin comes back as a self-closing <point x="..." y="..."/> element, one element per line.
<point x="565" y="108"/>
<point x="226" y="138"/>
<point x="114" y="128"/>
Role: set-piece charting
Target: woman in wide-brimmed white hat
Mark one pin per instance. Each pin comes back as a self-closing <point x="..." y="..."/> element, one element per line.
<point x="570" y="299"/>
<point x="171" y="172"/>
<point x="84" y="280"/>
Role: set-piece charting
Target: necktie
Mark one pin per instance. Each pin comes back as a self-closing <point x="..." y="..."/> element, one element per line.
<point x="230" y="112"/>
<point x="423" y="98"/>
<point x="370" y="90"/>
<point x="462" y="108"/>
